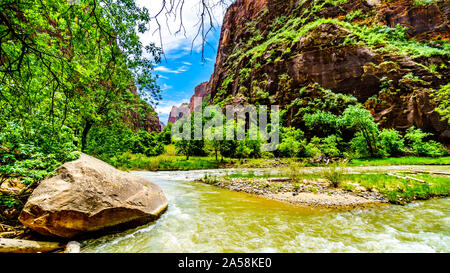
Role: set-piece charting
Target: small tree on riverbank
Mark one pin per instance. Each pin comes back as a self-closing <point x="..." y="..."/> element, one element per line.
<point x="359" y="119"/>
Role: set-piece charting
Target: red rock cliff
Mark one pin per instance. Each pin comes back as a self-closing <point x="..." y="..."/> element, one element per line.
<point x="201" y="91"/>
<point x="271" y="50"/>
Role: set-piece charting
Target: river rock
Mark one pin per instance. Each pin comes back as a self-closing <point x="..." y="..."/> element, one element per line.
<point x="89" y="196"/>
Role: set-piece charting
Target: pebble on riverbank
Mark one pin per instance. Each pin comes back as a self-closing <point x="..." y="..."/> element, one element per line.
<point x="315" y="193"/>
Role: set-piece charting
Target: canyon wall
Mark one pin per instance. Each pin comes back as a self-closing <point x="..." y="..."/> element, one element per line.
<point x="389" y="55"/>
<point x="201" y="91"/>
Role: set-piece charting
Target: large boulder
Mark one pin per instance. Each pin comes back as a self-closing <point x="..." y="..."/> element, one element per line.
<point x="89" y="196"/>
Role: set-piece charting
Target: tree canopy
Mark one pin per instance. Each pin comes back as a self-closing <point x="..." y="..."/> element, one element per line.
<point x="73" y="66"/>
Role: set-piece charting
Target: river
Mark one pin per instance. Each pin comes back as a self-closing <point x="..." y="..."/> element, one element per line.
<point x="204" y="218"/>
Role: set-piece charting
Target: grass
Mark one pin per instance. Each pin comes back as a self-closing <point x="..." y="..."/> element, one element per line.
<point x="399" y="190"/>
<point x="411" y="160"/>
<point x="163" y="162"/>
<point x="250" y="175"/>
<point x="334" y="173"/>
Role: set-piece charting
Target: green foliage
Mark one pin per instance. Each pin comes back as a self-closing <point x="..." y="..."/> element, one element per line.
<point x="418" y="3"/>
<point x="334" y="173"/>
<point x="402" y="190"/>
<point x="31" y="159"/>
<point x="443" y="98"/>
<point x="360" y="146"/>
<point x="385" y="84"/>
<point x="27" y="159"/>
<point x="391" y="142"/>
<point x="70" y="79"/>
<point x="417" y="146"/>
<point x="9" y="201"/>
<point x="354" y="15"/>
<point x="292" y="142"/>
<point x="360" y="120"/>
<point x="146" y="143"/>
<point x="321" y="122"/>
<point x="312" y="149"/>
<point x="165" y="137"/>
<point x="190" y="148"/>
<point x="162" y="162"/>
<point x="329" y="146"/>
<point x="409" y="160"/>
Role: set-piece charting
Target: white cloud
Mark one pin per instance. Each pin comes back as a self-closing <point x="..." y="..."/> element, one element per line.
<point x="168" y="70"/>
<point x="187" y="63"/>
<point x="170" y="38"/>
<point x="166" y="87"/>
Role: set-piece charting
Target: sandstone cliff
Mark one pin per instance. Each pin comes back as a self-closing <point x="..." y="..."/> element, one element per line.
<point x="177" y="112"/>
<point x="201" y="91"/>
<point x="143" y="116"/>
<point x="389" y="55"/>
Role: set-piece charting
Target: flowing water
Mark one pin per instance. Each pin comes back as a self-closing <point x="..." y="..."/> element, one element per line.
<point x="203" y="218"/>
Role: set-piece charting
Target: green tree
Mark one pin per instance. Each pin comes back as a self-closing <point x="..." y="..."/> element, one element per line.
<point x="322" y="123"/>
<point x="417" y="146"/>
<point x="360" y="120"/>
<point x="165" y="137"/>
<point x="392" y="142"/>
<point x="73" y="65"/>
<point x="292" y="142"/>
<point x="68" y="72"/>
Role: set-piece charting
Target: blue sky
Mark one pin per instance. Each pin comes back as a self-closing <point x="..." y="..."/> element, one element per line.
<point x="181" y="73"/>
<point x="182" y="69"/>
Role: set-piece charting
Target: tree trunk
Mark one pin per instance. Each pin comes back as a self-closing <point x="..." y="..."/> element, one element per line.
<point x="84" y="135"/>
<point x="366" y="135"/>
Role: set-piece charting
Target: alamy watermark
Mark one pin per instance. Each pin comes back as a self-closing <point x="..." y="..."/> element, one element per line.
<point x="238" y="123"/>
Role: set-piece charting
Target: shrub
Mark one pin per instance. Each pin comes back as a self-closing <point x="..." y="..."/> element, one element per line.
<point x="312" y="149"/>
<point x="417" y="145"/>
<point x="334" y="173"/>
<point x="321" y="122"/>
<point x="442" y="97"/>
<point x="292" y="142"/>
<point x="391" y="142"/>
<point x="329" y="145"/>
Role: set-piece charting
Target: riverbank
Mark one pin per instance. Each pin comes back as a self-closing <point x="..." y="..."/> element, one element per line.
<point x="172" y="162"/>
<point x="311" y="193"/>
<point x="367" y="182"/>
<point x="342" y="187"/>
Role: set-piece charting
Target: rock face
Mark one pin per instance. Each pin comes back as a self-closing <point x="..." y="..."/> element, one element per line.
<point x="143" y="117"/>
<point x="177" y="112"/>
<point x="89" y="196"/>
<point x="284" y="51"/>
<point x="201" y="91"/>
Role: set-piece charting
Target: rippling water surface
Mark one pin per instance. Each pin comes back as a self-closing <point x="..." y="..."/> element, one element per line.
<point x="203" y="218"/>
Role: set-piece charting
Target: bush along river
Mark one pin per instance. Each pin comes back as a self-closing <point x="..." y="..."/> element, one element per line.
<point x="205" y="218"/>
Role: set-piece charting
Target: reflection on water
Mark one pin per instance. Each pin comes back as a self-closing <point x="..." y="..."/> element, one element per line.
<point x="203" y="218"/>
